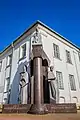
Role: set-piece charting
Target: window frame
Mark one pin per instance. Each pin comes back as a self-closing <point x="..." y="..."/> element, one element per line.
<point x="9" y="60"/>
<point x="56" y="51"/>
<point x="72" y="82"/>
<point x="60" y="81"/>
<point x="22" y="54"/>
<point x="68" y="57"/>
<point x="7" y="84"/>
<point x="0" y="65"/>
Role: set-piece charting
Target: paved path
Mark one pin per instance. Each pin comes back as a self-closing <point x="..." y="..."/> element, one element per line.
<point x="40" y="117"/>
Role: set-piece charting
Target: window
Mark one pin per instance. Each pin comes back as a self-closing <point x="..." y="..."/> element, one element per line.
<point x="56" y="51"/>
<point x="7" y="83"/>
<point x="0" y="65"/>
<point x="72" y="82"/>
<point x="59" y="79"/>
<point x="9" y="60"/>
<point x="23" y="51"/>
<point x="68" y="56"/>
<point x="79" y="55"/>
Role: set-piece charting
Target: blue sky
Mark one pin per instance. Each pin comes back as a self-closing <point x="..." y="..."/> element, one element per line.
<point x="17" y="15"/>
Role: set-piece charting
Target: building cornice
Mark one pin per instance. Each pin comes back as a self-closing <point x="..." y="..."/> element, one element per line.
<point x="47" y="27"/>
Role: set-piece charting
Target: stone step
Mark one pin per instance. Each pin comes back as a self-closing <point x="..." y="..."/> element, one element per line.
<point x="51" y="108"/>
<point x="62" y="108"/>
<point x="16" y="108"/>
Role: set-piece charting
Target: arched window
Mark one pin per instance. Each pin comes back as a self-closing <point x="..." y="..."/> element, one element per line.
<point x="61" y="100"/>
<point x="74" y="99"/>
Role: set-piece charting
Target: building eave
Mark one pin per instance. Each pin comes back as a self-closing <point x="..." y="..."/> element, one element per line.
<point x="58" y="34"/>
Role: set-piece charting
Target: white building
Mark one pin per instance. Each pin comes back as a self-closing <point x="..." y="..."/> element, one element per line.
<point x="63" y="55"/>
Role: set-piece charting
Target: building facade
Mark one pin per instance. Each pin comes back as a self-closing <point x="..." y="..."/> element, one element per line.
<point x="15" y="64"/>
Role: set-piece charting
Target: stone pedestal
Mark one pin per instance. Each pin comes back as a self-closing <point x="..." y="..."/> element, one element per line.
<point x="38" y="109"/>
<point x="38" y="106"/>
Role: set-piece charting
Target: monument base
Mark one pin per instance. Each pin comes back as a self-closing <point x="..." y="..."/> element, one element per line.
<point x="16" y="108"/>
<point x="38" y="109"/>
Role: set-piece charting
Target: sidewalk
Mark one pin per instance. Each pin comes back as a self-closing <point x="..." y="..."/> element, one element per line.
<point x="40" y="117"/>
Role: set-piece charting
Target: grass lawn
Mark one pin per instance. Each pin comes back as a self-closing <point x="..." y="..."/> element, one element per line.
<point x="40" y="117"/>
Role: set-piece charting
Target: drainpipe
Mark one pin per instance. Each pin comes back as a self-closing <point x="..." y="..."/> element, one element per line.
<point x="12" y="60"/>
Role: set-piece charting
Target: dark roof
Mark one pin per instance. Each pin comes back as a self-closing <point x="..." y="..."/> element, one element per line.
<point x="39" y="22"/>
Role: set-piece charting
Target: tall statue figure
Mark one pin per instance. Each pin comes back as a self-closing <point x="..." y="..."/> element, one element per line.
<point x="38" y="102"/>
<point x="24" y="88"/>
<point x="52" y="84"/>
<point x="37" y="40"/>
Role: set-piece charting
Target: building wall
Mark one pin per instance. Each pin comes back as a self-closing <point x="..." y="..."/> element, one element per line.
<point x="48" y="38"/>
<point x="66" y="95"/>
<point x="3" y="74"/>
<point x="17" y="66"/>
<point x="14" y="71"/>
